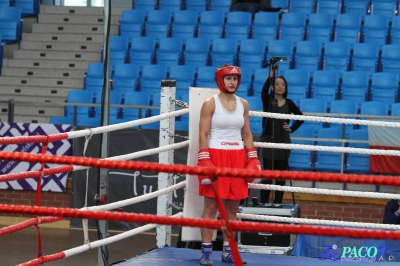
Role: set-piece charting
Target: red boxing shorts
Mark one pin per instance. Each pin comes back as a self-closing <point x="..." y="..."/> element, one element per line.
<point x="226" y="153"/>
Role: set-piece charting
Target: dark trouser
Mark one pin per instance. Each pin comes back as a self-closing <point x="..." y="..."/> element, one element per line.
<point x="278" y="165"/>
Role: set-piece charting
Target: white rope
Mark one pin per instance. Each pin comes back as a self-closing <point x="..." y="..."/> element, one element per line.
<point x="115" y="127"/>
<point x="326" y="148"/>
<point x="139" y="154"/>
<point x="112" y="239"/>
<point x="281" y="219"/>
<point x="326" y="119"/>
<point x="332" y="192"/>
<point x="122" y="203"/>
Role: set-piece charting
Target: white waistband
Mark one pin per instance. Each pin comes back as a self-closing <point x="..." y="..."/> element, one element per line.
<point x="225" y="144"/>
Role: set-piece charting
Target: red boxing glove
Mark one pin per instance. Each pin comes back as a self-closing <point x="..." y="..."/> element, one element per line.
<point x="203" y="160"/>
<point x="252" y="163"/>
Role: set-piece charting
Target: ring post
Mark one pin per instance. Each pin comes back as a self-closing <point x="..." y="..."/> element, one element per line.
<point x="167" y="128"/>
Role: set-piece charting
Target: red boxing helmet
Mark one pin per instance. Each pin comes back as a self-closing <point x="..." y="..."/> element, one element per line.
<point x="225" y="71"/>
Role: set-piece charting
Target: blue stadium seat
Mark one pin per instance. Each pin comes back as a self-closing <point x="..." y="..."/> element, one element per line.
<point x="119" y="46"/>
<point x="246" y="87"/>
<point x="158" y="24"/>
<point x="150" y="80"/>
<point x="358" y="162"/>
<point x="357" y="7"/>
<point x="79" y="96"/>
<point x="308" y="56"/>
<point x="255" y="104"/>
<point x="154" y="101"/>
<point x="385" y="88"/>
<point x="196" y="52"/>
<point x="326" y="160"/>
<point x="374" y="109"/>
<point x="388" y="8"/>
<point x="251" y="54"/>
<point x="293" y="27"/>
<point x="61" y="120"/>
<point x="375" y="30"/>
<point x="29" y="7"/>
<point x="197" y="5"/>
<point x="347" y="28"/>
<point x="131" y="23"/>
<point x="93" y="79"/>
<point x="395" y="30"/>
<point x="283" y="4"/>
<point x="302" y="159"/>
<point x="221" y="5"/>
<point x="311" y="105"/>
<point x="139" y="98"/>
<point x="171" y="5"/>
<point x="169" y="52"/>
<point x="305" y="6"/>
<point x="282" y="48"/>
<point x="320" y="27"/>
<point x="146" y="5"/>
<point x="365" y="57"/>
<point x="114" y="112"/>
<point x="333" y="7"/>
<point x="265" y="26"/>
<point x="184" y="76"/>
<point x="355" y="87"/>
<point x="298" y="81"/>
<point x="5" y="3"/>
<point x="347" y="107"/>
<point x="260" y="76"/>
<point x="224" y="51"/>
<point x="238" y="26"/>
<point x="184" y="24"/>
<point x="325" y="85"/>
<point x="336" y="56"/>
<point x="395" y="109"/>
<point x="390" y="58"/>
<point x="11" y="23"/>
<point x="211" y="24"/>
<point x="125" y="79"/>
<point x="142" y="51"/>
<point x="205" y="77"/>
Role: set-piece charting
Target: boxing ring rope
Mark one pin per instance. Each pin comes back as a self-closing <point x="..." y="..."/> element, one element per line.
<point x="82" y="164"/>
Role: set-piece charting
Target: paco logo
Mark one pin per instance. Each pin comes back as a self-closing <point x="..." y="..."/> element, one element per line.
<point x="358" y="254"/>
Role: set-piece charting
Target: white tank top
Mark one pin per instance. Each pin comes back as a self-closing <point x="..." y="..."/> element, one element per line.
<point x="226" y="124"/>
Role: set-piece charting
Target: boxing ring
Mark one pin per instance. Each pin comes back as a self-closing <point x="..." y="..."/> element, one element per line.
<point x="189" y="219"/>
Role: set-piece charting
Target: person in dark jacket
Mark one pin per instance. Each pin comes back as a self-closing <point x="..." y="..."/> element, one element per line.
<point x="392" y="211"/>
<point x="275" y="100"/>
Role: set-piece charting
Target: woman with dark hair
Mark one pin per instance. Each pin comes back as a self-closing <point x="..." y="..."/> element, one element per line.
<point x="275" y="100"/>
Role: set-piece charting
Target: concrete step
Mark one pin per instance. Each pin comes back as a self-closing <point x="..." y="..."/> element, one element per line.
<point x="76" y="28"/>
<point x="46" y="63"/>
<point x="60" y="46"/>
<point x="42" y="82"/>
<point x="34" y="98"/>
<point x="34" y="91"/>
<point x="63" y="37"/>
<point x="44" y="72"/>
<point x="76" y="19"/>
<point x="48" y="9"/>
<point x="27" y="108"/>
<point x="26" y="119"/>
<point x="56" y="55"/>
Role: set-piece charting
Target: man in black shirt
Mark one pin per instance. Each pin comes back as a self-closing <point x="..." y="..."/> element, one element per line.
<point x="392" y="212"/>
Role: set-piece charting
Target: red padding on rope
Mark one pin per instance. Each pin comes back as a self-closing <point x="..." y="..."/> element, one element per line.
<point x="32" y="139"/>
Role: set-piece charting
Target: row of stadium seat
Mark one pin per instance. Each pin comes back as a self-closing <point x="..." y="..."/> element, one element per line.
<point x="267" y="26"/>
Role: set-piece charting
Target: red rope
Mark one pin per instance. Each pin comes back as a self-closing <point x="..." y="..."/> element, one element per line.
<point x="195" y="170"/>
<point x="26" y="139"/>
<point x="32" y="222"/>
<point x="36" y="173"/>
<point x="226" y="228"/>
<point x="44" y="259"/>
<point x="207" y="223"/>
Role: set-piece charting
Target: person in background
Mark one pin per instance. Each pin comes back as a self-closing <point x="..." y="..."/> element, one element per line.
<point x="276" y="130"/>
<point x="392" y="211"/>
<point x="225" y="140"/>
<point x="253" y="6"/>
